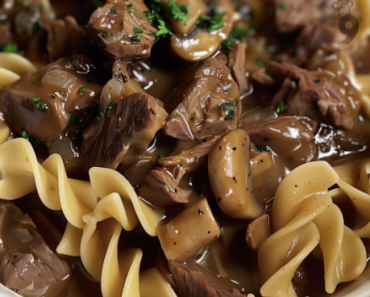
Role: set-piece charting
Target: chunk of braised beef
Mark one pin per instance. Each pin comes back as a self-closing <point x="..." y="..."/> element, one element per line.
<point x="42" y="102"/>
<point x="113" y="28"/>
<point x="5" y="34"/>
<point x="312" y="38"/>
<point x="237" y="65"/>
<point x="291" y="15"/>
<point x="130" y="123"/>
<point x="28" y="265"/>
<point x="207" y="102"/>
<point x="192" y="282"/>
<point x="65" y="38"/>
<point x="313" y="94"/>
<point x="287" y="137"/>
<point x="161" y="186"/>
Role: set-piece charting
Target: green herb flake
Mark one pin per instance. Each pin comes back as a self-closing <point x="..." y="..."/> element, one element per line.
<point x="161" y="156"/>
<point x="163" y="29"/>
<point x="212" y="22"/>
<point x="102" y="114"/>
<point x="98" y="3"/>
<point x="317" y="81"/>
<point x="283" y="6"/>
<point x="110" y="106"/>
<point x="177" y="12"/>
<point x="200" y="63"/>
<point x="260" y="63"/>
<point x="10" y="48"/>
<point x="73" y="119"/>
<point x="262" y="148"/>
<point x="228" y="44"/>
<point x="70" y="58"/>
<point x="37" y="25"/>
<point x="24" y="134"/>
<point x="39" y="105"/>
<point x="248" y="105"/>
<point x="236" y="101"/>
<point x="130" y="9"/>
<point x="138" y="30"/>
<point x="81" y="90"/>
<point x="32" y="8"/>
<point x="104" y="35"/>
<point x="280" y="107"/>
<point x="113" y="11"/>
<point x="137" y="38"/>
<point x="230" y="112"/>
<point x="270" y="11"/>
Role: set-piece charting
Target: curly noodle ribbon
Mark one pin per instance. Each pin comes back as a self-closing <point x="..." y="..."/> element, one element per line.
<point x="301" y="217"/>
<point x="96" y="211"/>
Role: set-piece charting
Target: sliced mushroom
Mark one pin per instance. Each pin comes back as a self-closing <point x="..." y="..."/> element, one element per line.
<point x="258" y="231"/>
<point x="230" y="175"/>
<point x="200" y="44"/>
<point x="184" y="235"/>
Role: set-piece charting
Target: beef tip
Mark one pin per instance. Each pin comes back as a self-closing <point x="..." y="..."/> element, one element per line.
<point x="261" y="78"/>
<point x="65" y="38"/>
<point x="131" y="122"/>
<point x="161" y="186"/>
<point x="112" y="26"/>
<point x="42" y="102"/>
<point x="287" y="137"/>
<point x="313" y="94"/>
<point x="192" y="282"/>
<point x="313" y="37"/>
<point x="207" y="103"/>
<point x="28" y="265"/>
<point x="5" y="34"/>
<point x="290" y="15"/>
<point x="237" y="65"/>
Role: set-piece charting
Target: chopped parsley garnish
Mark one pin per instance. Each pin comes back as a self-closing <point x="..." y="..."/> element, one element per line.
<point x="280" y="107"/>
<point x="81" y="90"/>
<point x="317" y="81"/>
<point x="70" y="58"/>
<point x="283" y="6"/>
<point x="236" y="101"/>
<point x="32" y="8"/>
<point x="150" y="66"/>
<point x="113" y="11"/>
<point x="24" y="134"/>
<point x="260" y="62"/>
<point x="98" y="3"/>
<point x="164" y="29"/>
<point x="35" y="142"/>
<point x="37" y="25"/>
<point x="160" y="13"/>
<point x="212" y="22"/>
<point x="73" y="119"/>
<point x="236" y="35"/>
<point x="270" y="11"/>
<point x="10" y="48"/>
<point x="104" y="35"/>
<point x="130" y="9"/>
<point x="161" y="156"/>
<point x="262" y="148"/>
<point x="136" y="38"/>
<point x="200" y="63"/>
<point x="109" y="107"/>
<point x="39" y="105"/>
<point x="138" y="30"/>
<point x="230" y="112"/>
<point x="102" y="114"/>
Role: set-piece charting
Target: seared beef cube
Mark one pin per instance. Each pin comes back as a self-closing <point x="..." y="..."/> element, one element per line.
<point x="205" y="104"/>
<point x="42" y="102"/>
<point x="122" y="30"/>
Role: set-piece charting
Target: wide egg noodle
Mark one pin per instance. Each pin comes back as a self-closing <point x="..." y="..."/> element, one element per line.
<point x="301" y="217"/>
<point x="354" y="185"/>
<point x="100" y="209"/>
